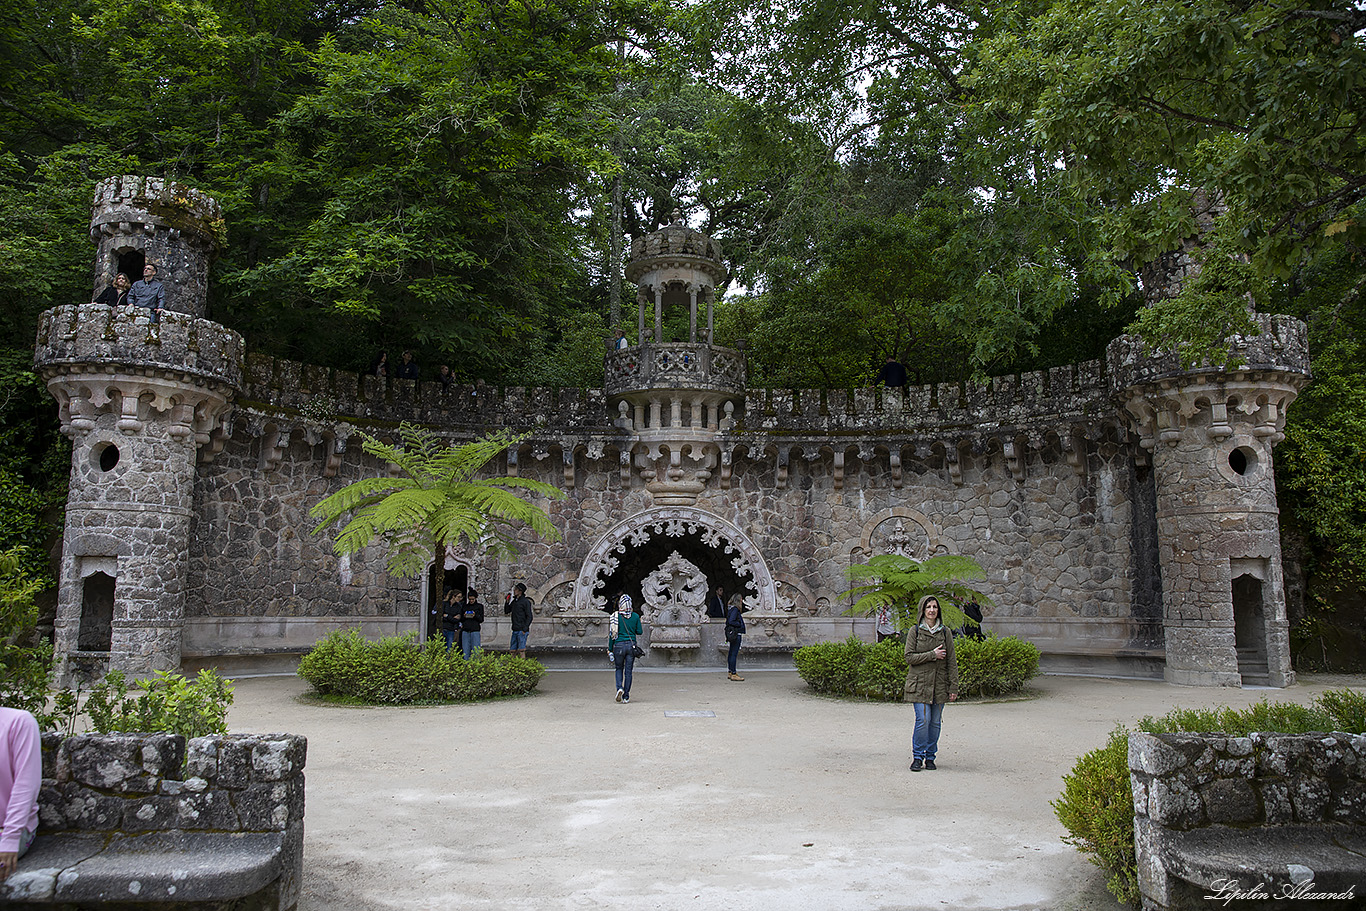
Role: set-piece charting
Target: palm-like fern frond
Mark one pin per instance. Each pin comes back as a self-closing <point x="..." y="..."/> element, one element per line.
<point x="901" y="581"/>
<point x="436" y="501"/>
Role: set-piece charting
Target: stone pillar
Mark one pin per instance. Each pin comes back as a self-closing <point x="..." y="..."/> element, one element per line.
<point x="692" y="314"/>
<point x="659" y="313"/>
<point x="1209" y="433"/>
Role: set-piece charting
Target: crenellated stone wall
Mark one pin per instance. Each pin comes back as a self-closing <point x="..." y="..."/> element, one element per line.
<point x="1123" y="509"/>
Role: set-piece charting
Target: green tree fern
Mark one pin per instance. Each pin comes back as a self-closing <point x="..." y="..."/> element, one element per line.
<point x="436" y="502"/>
<point x="902" y="582"/>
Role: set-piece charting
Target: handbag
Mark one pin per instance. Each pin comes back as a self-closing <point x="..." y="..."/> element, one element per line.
<point x="637" y="651"/>
<point x="732" y="634"/>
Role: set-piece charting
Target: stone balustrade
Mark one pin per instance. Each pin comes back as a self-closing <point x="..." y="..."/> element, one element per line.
<point x="1263" y="818"/>
<point x="88" y="338"/>
<point x="215" y="822"/>
<point x="1053" y="397"/>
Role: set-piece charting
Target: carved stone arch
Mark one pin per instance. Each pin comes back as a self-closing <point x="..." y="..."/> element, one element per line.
<point x="673" y="521"/>
<point x="876" y="529"/>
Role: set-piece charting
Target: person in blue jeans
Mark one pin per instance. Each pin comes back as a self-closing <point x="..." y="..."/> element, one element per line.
<point x="470" y="620"/>
<point x="931" y="680"/>
<point x="451" y="609"/>
<point x="622" y="632"/>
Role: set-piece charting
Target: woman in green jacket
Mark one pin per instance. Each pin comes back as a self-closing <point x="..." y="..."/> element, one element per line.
<point x="931" y="680"/>
<point x="622" y="631"/>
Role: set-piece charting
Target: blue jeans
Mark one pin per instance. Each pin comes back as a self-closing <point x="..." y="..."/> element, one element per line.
<point x="469" y="641"/>
<point x="449" y="636"/>
<point x="925" y="740"/>
<point x="733" y="654"/>
<point x="519" y="637"/>
<point x="624" y="658"/>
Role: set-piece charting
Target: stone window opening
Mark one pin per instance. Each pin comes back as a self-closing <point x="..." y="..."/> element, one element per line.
<point x="105" y="456"/>
<point x="97" y="613"/>
<point x="131" y="263"/>
<point x="1249" y="630"/>
<point x="1243" y="460"/>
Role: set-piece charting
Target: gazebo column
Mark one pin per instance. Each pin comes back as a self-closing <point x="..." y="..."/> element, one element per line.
<point x="711" y="298"/>
<point x="659" y="313"/>
<point x="640" y="315"/>
<point x="692" y="313"/>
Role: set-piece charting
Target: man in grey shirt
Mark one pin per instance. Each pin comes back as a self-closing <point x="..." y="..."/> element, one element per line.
<point x="149" y="293"/>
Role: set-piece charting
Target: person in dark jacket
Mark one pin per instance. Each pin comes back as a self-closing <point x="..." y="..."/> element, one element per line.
<point x="451" y="610"/>
<point x="519" y="606"/>
<point x="470" y="621"/>
<point x="973" y="611"/>
<point x="116" y="295"/>
<point x="735" y="630"/>
<point x="931" y="680"/>
<point x="716" y="603"/>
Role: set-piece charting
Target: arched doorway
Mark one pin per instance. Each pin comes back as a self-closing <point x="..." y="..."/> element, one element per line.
<point x="635" y="547"/>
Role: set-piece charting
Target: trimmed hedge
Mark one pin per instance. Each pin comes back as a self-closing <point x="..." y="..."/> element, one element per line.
<point x="396" y="671"/>
<point x="1097" y="802"/>
<point x="991" y="667"/>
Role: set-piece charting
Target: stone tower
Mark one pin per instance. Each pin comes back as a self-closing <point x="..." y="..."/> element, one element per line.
<point x="1207" y="434"/>
<point x="675" y="397"/>
<point x="142" y="404"/>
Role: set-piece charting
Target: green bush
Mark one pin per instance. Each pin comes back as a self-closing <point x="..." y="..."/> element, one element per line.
<point x="167" y="702"/>
<point x="25" y="657"/>
<point x="832" y="667"/>
<point x="882" y="675"/>
<point x="1097" y="803"/>
<point x="995" y="666"/>
<point x="992" y="667"/>
<point x="396" y="671"/>
<point x="1097" y="809"/>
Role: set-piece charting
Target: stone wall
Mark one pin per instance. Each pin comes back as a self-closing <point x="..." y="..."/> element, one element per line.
<point x="153" y="818"/>
<point x="1266" y="812"/>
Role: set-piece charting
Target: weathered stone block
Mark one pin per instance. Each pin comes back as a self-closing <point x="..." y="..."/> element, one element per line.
<point x="1230" y="800"/>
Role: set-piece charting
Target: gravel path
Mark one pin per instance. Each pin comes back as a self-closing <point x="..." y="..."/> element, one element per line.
<point x="700" y="794"/>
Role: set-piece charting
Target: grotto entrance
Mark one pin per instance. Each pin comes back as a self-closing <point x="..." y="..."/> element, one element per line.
<point x="668" y="559"/>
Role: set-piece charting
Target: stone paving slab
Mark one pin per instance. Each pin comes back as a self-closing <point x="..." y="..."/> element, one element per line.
<point x="782" y="800"/>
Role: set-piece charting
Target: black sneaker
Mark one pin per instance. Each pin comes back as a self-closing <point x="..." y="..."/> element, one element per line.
<point x="626" y="698"/>
<point x="929" y="764"/>
<point x="917" y="766"/>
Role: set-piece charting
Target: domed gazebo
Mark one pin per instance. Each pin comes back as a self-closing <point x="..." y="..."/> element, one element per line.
<point x="673" y="267"/>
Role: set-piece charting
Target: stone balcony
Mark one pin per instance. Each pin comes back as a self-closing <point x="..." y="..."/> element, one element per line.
<point x="675" y="365"/>
<point x="94" y="338"/>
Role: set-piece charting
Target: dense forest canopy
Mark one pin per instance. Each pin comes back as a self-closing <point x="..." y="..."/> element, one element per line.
<point x="972" y="188"/>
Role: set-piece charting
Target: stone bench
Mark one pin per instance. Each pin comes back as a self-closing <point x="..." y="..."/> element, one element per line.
<point x="141" y="820"/>
<point x="1258" y="821"/>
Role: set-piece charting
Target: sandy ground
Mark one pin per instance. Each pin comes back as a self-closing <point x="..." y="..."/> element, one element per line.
<point x="776" y="799"/>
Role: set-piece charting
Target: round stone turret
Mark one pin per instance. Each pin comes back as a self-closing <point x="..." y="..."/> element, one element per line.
<point x="143" y="400"/>
<point x="1209" y="431"/>
<point x="140" y="220"/>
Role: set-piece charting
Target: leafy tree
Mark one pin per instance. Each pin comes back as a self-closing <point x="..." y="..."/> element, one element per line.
<point x="437" y="501"/>
<point x="1141" y="105"/>
<point x="25" y="658"/>
<point x="892" y="579"/>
